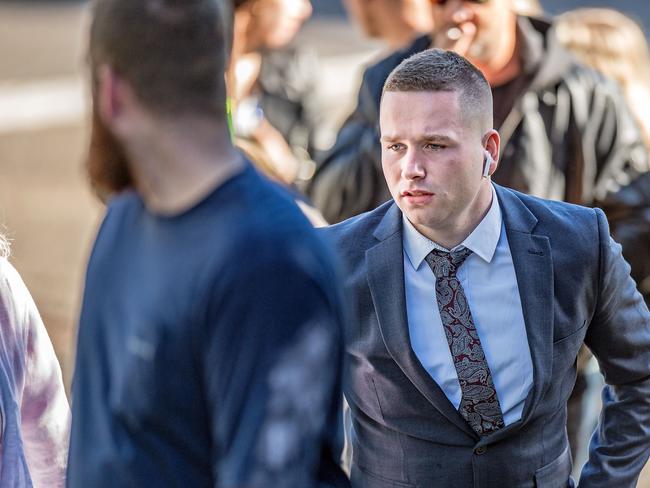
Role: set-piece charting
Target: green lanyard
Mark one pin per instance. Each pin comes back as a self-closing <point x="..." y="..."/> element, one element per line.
<point x="231" y="127"/>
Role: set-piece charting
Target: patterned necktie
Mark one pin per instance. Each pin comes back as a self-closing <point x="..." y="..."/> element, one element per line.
<point x="479" y="404"/>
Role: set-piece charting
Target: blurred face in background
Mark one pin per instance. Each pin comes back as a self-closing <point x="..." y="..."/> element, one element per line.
<point x="378" y="18"/>
<point x="274" y="23"/>
<point x="477" y="30"/>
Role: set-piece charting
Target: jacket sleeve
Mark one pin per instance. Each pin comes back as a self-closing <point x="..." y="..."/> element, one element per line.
<point x="272" y="366"/>
<point x="611" y="145"/>
<point x="628" y="210"/>
<point x="615" y="173"/>
<point x="44" y="409"/>
<point x="619" y="336"/>
<point x="349" y="179"/>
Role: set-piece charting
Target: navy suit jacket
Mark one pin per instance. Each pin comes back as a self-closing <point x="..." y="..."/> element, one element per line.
<point x="575" y="288"/>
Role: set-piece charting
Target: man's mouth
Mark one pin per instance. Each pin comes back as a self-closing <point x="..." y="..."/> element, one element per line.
<point x="416" y="193"/>
<point x="417" y="197"/>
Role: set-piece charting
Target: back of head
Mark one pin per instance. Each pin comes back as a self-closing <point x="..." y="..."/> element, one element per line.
<point x="173" y="53"/>
<point x="603" y="38"/>
<point x="614" y="44"/>
<point x="439" y="70"/>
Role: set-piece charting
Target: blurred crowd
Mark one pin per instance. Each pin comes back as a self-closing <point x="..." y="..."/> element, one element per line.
<point x="571" y="103"/>
<point x="274" y="115"/>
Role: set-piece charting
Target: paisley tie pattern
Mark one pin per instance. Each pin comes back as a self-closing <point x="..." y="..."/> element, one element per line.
<point x="479" y="404"/>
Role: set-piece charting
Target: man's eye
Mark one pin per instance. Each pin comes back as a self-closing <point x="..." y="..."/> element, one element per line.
<point x="433" y="146"/>
<point x="395" y="147"/>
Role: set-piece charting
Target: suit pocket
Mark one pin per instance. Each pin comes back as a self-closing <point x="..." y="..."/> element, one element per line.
<point x="572" y="335"/>
<point x="555" y="474"/>
<point x="362" y="478"/>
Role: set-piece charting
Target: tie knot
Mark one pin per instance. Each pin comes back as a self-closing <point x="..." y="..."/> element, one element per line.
<point x="445" y="264"/>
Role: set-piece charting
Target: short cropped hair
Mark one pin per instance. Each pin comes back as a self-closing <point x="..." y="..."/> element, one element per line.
<point x="439" y="70"/>
<point x="173" y="53"/>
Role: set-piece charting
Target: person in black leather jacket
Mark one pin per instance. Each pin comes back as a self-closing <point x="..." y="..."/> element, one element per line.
<point x="615" y="45"/>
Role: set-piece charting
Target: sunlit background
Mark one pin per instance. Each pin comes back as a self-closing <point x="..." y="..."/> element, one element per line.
<point x="46" y="208"/>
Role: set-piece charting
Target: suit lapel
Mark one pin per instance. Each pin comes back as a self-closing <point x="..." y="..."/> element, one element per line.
<point x="384" y="263"/>
<point x="531" y="257"/>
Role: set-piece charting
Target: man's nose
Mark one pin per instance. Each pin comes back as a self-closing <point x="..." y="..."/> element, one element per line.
<point x="412" y="169"/>
<point x="458" y="11"/>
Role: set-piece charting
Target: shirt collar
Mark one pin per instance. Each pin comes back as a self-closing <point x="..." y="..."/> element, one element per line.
<point x="482" y="241"/>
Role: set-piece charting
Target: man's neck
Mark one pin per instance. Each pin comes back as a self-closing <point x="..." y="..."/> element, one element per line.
<point x="176" y="168"/>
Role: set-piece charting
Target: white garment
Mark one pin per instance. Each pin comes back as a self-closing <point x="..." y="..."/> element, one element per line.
<point x="34" y="442"/>
<point x="490" y="285"/>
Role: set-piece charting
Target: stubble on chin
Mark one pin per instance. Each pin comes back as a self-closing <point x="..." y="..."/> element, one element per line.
<point x="106" y="164"/>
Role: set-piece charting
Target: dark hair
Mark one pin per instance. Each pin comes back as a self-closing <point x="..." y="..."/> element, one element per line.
<point x="440" y="70"/>
<point x="173" y="53"/>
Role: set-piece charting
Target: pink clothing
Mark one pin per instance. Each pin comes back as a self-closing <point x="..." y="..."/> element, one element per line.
<point x="35" y="415"/>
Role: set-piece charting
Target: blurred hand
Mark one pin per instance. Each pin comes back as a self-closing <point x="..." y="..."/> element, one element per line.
<point x="456" y="37"/>
<point x="279" y="154"/>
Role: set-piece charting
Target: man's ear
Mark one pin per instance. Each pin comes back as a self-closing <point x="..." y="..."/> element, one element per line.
<point x="105" y="99"/>
<point x="113" y="97"/>
<point x="492" y="147"/>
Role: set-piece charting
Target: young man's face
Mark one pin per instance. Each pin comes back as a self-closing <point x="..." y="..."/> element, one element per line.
<point x="474" y="29"/>
<point x="433" y="159"/>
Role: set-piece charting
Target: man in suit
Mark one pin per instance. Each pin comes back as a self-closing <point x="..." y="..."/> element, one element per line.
<point x="471" y="302"/>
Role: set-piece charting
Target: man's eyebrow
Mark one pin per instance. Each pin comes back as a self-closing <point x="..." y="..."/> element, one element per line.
<point x="435" y="137"/>
<point x="390" y="138"/>
<point x="424" y="137"/>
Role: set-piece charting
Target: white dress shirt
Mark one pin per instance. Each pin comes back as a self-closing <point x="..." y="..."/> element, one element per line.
<point x="489" y="281"/>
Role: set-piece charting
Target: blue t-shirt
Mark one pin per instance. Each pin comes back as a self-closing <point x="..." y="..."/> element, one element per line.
<point x="209" y="348"/>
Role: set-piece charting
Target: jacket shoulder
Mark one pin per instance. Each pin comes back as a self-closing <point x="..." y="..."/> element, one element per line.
<point x="565" y="221"/>
<point x="356" y="233"/>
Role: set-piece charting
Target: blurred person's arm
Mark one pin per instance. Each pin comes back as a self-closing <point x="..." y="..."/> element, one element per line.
<point x="616" y="160"/>
<point x="271" y="364"/>
<point x="628" y="210"/>
<point x="44" y="409"/>
<point x="252" y="126"/>
<point x="349" y="180"/>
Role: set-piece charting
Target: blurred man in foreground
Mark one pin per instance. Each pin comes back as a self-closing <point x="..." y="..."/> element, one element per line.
<point x="209" y="348"/>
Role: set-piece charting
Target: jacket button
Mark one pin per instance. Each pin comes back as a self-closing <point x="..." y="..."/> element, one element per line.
<point x="480" y="450"/>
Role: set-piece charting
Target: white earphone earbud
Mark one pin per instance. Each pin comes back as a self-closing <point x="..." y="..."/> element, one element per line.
<point x="487" y="164"/>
